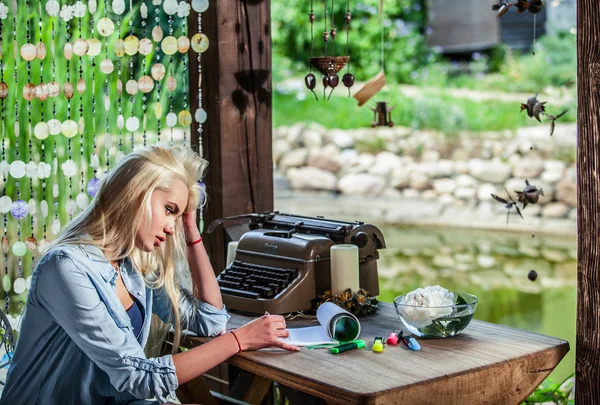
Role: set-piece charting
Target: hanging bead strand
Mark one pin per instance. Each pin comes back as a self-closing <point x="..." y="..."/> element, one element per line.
<point x="145" y="83"/>
<point x="158" y="68"/>
<point x="199" y="45"/>
<point x="120" y="117"/>
<point x="81" y="44"/>
<point x="95" y="160"/>
<point x="57" y="125"/>
<point x="184" y="115"/>
<point x="5" y="243"/>
<point x="169" y="46"/>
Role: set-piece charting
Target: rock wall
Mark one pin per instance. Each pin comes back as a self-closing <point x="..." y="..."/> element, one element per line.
<point x="452" y="170"/>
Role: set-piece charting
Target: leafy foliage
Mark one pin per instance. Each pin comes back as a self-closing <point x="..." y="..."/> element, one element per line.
<point x="359" y="302"/>
<point x="403" y="22"/>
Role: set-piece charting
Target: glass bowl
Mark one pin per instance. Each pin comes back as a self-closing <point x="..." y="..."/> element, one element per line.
<point x="436" y="322"/>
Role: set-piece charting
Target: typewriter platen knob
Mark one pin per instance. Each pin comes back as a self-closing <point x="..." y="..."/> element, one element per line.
<point x="360" y="239"/>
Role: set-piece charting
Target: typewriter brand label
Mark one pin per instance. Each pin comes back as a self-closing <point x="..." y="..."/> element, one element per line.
<point x="270" y="248"/>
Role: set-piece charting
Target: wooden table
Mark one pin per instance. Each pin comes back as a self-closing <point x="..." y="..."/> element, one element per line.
<point x="485" y="364"/>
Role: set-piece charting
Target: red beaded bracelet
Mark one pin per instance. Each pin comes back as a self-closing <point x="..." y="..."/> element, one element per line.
<point x="237" y="340"/>
<point x="195" y="242"/>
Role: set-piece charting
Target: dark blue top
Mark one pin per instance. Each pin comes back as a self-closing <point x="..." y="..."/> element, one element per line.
<point x="136" y="315"/>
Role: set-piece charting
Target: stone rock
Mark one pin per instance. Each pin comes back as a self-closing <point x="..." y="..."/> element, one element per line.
<point x="485" y="261"/>
<point x="528" y="168"/>
<point x="465" y="193"/>
<point x="294" y="158"/>
<point x="429" y="195"/>
<point x="554" y="171"/>
<point x="444" y="186"/>
<point x="493" y="171"/>
<point x="485" y="190"/>
<point x="341" y="139"/>
<point x="464" y="180"/>
<point x="461" y="167"/>
<point x="566" y="192"/>
<point x="555" y="210"/>
<point x="446" y="199"/>
<point x="419" y="181"/>
<point x="400" y="178"/>
<point x="411" y="194"/>
<point x="280" y="148"/>
<point x="430" y="156"/>
<point x="385" y="164"/>
<point x="294" y="135"/>
<point x="361" y="184"/>
<point x="312" y="178"/>
<point x="312" y="138"/>
<point x="325" y="158"/>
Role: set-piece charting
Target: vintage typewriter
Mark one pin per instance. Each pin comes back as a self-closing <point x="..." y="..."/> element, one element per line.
<point x="282" y="261"/>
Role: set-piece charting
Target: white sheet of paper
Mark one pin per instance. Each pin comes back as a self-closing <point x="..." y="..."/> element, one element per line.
<point x="308" y="336"/>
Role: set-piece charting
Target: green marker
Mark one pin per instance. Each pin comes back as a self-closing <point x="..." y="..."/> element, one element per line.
<point x="355" y="344"/>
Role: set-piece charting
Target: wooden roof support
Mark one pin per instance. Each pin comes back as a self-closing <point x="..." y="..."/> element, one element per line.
<point x="236" y="82"/>
<point x="587" y="364"/>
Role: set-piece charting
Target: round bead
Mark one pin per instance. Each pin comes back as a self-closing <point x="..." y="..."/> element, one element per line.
<point x="119" y="47"/>
<point x="80" y="47"/>
<point x="32" y="244"/>
<point x="119" y="86"/>
<point x="169" y="45"/>
<point x="19" y="249"/>
<point x="28" y="52"/>
<point x="44" y="208"/>
<point x="3" y="90"/>
<point x="200" y="43"/>
<point x="6" y="285"/>
<point x="55" y="226"/>
<point x="17" y="169"/>
<point x="348" y="79"/>
<point x="53" y="89"/>
<point x="68" y="51"/>
<point x="19" y="209"/>
<point x="146" y="84"/>
<point x="145" y="47"/>
<point x="81" y="86"/>
<point x="132" y="44"/>
<point x="82" y="200"/>
<point x="41" y="91"/>
<point x="5" y="204"/>
<point x="131" y="87"/>
<point x="41" y="131"/>
<point x="183" y="43"/>
<point x="200" y="6"/>
<point x="92" y="6"/>
<point x="333" y="80"/>
<point x="71" y="207"/>
<point x="310" y="81"/>
<point x="19" y="285"/>
<point x="118" y="7"/>
<point x="132" y="124"/>
<point x="105" y="26"/>
<point x="158" y="71"/>
<point x="40" y="50"/>
<point x="120" y="121"/>
<point x="54" y="126"/>
<point x="94" y="47"/>
<point x="185" y="118"/>
<point x="171" y="83"/>
<point x="69" y="128"/>
<point x="92" y="187"/>
<point x="68" y="90"/>
<point x="171" y="119"/>
<point x="200" y="115"/>
<point x="157" y="34"/>
<point x="158" y="110"/>
<point x="170" y="6"/>
<point x="29" y="92"/>
<point x="106" y="66"/>
<point x="41" y="247"/>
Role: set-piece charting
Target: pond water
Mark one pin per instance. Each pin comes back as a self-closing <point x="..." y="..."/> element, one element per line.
<point x="492" y="265"/>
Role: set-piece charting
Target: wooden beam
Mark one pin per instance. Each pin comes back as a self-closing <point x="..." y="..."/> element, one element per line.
<point x="587" y="369"/>
<point x="236" y="80"/>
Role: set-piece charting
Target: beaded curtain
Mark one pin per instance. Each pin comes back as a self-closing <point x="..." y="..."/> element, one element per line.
<point x="81" y="85"/>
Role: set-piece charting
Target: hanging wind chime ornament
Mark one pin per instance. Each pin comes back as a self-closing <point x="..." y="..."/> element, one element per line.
<point x="329" y="65"/>
<point x="533" y="6"/>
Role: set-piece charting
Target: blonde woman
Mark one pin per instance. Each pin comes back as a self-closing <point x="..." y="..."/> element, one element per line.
<point x="92" y="295"/>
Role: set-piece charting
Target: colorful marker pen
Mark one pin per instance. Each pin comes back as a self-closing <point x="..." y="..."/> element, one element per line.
<point x="355" y="344"/>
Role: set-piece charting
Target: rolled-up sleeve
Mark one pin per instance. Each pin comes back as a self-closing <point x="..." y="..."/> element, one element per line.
<point x="196" y="316"/>
<point x="71" y="299"/>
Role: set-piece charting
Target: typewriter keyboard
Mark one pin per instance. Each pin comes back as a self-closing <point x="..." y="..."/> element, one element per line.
<point x="254" y="280"/>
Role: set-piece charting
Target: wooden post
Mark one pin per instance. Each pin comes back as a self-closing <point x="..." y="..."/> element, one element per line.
<point x="587" y="369"/>
<point x="236" y="79"/>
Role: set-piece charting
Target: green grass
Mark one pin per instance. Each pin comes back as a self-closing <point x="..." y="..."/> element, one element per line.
<point x="434" y="110"/>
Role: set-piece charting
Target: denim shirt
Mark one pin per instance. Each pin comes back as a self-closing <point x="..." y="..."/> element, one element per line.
<point x="76" y="343"/>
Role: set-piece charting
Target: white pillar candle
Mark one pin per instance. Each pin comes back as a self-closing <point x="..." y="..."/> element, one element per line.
<point x="344" y="268"/>
<point x="231" y="248"/>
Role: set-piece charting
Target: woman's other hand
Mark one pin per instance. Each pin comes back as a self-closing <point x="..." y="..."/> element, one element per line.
<point x="264" y="332"/>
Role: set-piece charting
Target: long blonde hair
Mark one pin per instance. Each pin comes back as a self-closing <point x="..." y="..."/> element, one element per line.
<point x="114" y="216"/>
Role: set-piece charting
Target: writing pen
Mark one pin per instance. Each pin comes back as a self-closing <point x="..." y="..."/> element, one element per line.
<point x="355" y="344"/>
